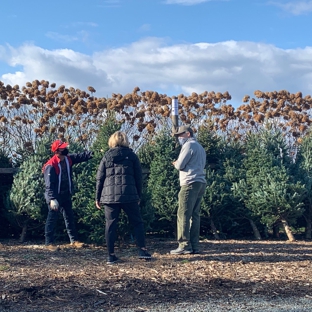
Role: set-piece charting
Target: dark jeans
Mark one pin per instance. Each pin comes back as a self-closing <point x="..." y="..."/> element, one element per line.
<point x="67" y="211"/>
<point x="188" y="222"/>
<point x="112" y="212"/>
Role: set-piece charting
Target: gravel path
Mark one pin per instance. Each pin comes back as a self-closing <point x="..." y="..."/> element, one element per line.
<point x="293" y="304"/>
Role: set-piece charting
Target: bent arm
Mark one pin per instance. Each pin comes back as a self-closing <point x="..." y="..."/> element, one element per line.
<point x="81" y="157"/>
<point x="184" y="157"/>
<point x="138" y="176"/>
<point x="51" y="183"/>
<point x="100" y="178"/>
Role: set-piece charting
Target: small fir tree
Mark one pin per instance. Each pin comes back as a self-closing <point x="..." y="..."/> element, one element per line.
<point x="163" y="182"/>
<point x="268" y="189"/>
<point x="303" y="173"/>
<point x="25" y="205"/>
<point x="91" y="221"/>
<point x="5" y="186"/>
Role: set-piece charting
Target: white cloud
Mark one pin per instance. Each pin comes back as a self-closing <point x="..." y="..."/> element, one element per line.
<point x="110" y="3"/>
<point x="295" y="7"/>
<point x="79" y="36"/>
<point x="61" y="37"/>
<point x="237" y="67"/>
<point x="189" y="2"/>
<point x="60" y="66"/>
<point x="145" y="28"/>
<point x="88" y="24"/>
<point x="186" y="2"/>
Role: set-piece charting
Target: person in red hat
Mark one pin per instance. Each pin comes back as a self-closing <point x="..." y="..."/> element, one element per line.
<point x="58" y="190"/>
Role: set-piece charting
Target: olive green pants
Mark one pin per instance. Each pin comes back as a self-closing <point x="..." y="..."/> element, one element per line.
<point x="188" y="216"/>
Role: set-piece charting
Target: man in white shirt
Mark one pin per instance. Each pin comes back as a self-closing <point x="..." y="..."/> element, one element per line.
<point x="191" y="165"/>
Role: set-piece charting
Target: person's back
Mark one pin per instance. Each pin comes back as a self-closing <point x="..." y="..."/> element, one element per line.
<point x="119" y="187"/>
<point x="123" y="181"/>
<point x="193" y="161"/>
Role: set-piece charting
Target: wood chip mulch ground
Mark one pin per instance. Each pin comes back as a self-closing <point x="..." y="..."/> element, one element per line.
<point x="35" y="279"/>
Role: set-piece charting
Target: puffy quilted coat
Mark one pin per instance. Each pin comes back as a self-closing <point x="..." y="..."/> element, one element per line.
<point x="52" y="173"/>
<point x="119" y="177"/>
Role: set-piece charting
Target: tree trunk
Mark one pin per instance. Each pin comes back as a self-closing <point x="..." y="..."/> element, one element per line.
<point x="308" y="228"/>
<point x="24" y="232"/>
<point x="275" y="229"/>
<point x="288" y="231"/>
<point x="266" y="232"/>
<point x="214" y="230"/>
<point x="255" y="230"/>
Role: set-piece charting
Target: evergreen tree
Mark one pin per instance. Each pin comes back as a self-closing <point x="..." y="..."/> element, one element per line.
<point x="26" y="206"/>
<point x="268" y="189"/>
<point x="303" y="173"/>
<point x="226" y="213"/>
<point x="91" y="221"/>
<point x="5" y="186"/>
<point x="163" y="181"/>
<point x="236" y="217"/>
<point x="212" y="203"/>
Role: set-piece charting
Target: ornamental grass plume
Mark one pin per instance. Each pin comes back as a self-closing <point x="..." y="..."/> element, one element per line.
<point x="259" y="94"/>
<point x="305" y="106"/>
<point x="91" y="89"/>
<point x="226" y="96"/>
<point x="246" y="98"/>
<point x="258" y="117"/>
<point x="44" y="129"/>
<point x="306" y="119"/>
<point x="150" y="128"/>
<point x="43" y="91"/>
<point x="45" y="83"/>
<point x="61" y="89"/>
<point x="50" y="104"/>
<point x="303" y="128"/>
<point x="183" y="118"/>
<point x="35" y="84"/>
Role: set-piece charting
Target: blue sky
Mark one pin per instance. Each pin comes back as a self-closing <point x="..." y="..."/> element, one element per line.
<point x="169" y="46"/>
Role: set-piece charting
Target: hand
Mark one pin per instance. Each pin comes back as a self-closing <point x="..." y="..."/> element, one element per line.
<point x="54" y="204"/>
<point x="174" y="163"/>
<point x="97" y="204"/>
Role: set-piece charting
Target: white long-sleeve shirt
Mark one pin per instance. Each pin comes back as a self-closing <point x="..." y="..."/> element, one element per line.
<point x="191" y="163"/>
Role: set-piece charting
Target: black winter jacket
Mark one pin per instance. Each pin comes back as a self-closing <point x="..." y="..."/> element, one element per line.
<point x="52" y="179"/>
<point x="119" y="177"/>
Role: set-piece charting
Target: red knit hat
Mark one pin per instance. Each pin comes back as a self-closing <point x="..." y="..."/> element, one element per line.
<point x="58" y="144"/>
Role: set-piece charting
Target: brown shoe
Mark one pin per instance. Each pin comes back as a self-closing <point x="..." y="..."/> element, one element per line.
<point x="77" y="245"/>
<point x="52" y="247"/>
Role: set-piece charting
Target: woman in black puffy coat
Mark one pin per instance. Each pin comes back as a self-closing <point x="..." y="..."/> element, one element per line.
<point x="119" y="186"/>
